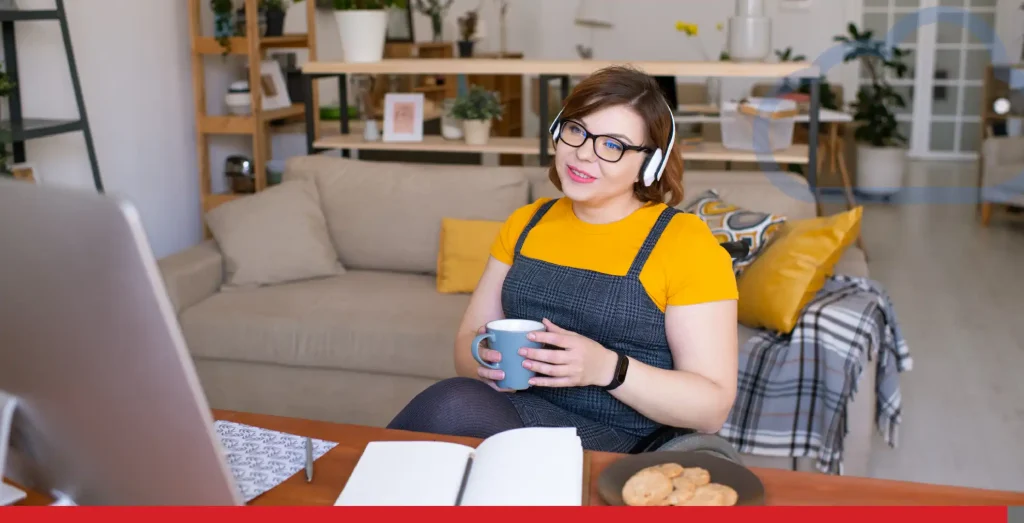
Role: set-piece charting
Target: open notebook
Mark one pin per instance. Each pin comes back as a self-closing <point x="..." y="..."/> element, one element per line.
<point x="531" y="466"/>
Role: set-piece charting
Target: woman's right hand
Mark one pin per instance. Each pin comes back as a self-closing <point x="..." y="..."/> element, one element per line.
<point x="488" y="375"/>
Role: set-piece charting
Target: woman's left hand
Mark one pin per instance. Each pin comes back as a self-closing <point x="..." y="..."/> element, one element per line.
<point x="583" y="361"/>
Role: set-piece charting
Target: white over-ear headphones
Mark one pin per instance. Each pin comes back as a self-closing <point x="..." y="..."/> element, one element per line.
<point x="654" y="165"/>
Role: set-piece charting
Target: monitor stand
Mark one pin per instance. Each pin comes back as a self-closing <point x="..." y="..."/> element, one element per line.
<point x="8" y="494"/>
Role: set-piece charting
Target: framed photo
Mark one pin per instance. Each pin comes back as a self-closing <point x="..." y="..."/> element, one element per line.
<point x="403" y="117"/>
<point x="26" y="172"/>
<point x="273" y="87"/>
<point x="400" y="25"/>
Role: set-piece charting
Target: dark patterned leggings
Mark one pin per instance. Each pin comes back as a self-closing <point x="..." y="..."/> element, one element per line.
<point x="459" y="407"/>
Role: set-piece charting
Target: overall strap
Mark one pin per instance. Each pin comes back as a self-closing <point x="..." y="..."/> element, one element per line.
<point x="533" y="222"/>
<point x="652" y="240"/>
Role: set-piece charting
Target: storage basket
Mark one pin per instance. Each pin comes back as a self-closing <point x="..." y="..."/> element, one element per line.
<point x="759" y="124"/>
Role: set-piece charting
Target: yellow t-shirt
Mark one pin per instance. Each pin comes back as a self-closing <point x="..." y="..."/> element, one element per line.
<point x="687" y="265"/>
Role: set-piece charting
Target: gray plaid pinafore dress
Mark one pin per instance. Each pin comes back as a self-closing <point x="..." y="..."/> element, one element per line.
<point x="614" y="311"/>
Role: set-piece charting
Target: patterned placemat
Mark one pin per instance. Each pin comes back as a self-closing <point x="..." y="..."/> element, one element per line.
<point x="261" y="459"/>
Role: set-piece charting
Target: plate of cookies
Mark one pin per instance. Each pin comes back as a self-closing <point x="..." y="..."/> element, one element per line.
<point x="668" y="478"/>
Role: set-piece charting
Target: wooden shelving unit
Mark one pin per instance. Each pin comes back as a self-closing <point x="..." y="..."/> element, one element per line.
<point x="254" y="47"/>
<point x="563" y="70"/>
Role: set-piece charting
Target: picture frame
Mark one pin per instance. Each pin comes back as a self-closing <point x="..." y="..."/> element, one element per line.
<point x="273" y="88"/>
<point x="400" y="25"/>
<point x="403" y="117"/>
<point x="26" y="172"/>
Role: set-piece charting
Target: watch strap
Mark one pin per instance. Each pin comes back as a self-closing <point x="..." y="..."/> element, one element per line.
<point x="619" y="376"/>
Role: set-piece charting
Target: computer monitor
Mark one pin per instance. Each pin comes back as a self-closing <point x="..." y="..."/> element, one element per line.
<point x="110" y="410"/>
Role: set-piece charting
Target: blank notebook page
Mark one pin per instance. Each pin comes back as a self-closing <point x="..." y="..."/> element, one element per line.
<point x="533" y="466"/>
<point x="410" y="473"/>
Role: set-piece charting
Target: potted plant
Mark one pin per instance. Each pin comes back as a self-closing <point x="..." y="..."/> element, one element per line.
<point x="467" y="30"/>
<point x="6" y="88"/>
<point x="881" y="148"/>
<point x="363" y="25"/>
<point x="477" y="109"/>
<point x="274" y="12"/>
<point x="436" y="11"/>
<point x="223" y="28"/>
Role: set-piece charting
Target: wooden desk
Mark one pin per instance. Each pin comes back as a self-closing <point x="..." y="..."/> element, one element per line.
<point x="781" y="487"/>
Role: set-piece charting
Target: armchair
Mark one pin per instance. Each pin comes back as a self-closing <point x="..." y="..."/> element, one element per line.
<point x="1002" y="174"/>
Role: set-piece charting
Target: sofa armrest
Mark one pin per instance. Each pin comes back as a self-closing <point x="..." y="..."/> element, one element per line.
<point x="192" y="275"/>
<point x="852" y="263"/>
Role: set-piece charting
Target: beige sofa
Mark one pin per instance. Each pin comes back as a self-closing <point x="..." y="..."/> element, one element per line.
<point x="357" y="347"/>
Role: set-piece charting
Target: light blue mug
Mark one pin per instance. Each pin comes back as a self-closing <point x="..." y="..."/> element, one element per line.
<point x="507" y="337"/>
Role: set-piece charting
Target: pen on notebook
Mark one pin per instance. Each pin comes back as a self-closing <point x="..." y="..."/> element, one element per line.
<point x="309" y="460"/>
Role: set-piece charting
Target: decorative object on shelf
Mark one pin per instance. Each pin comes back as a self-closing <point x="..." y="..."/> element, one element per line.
<point x="403" y="117"/>
<point x="477" y="109"/>
<point x="273" y="10"/>
<point x="436" y="10"/>
<point x="750" y="32"/>
<point x="451" y="127"/>
<point x="592" y="14"/>
<point x="239" y="170"/>
<point x="714" y="83"/>
<point x="223" y="22"/>
<point x="238" y="99"/>
<point x="467" y="33"/>
<point x="240" y="15"/>
<point x="26" y="172"/>
<point x="273" y="87"/>
<point x="881" y="147"/>
<point x="363" y="25"/>
<point x="400" y="26"/>
<point x="761" y="125"/>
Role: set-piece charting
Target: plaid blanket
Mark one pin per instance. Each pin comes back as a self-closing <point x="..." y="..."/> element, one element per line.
<point x="794" y="388"/>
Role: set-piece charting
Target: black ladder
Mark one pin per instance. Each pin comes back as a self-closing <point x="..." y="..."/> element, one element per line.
<point x="18" y="129"/>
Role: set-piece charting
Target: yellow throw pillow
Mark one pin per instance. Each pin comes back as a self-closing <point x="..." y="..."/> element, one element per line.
<point x="462" y="253"/>
<point x="791" y="269"/>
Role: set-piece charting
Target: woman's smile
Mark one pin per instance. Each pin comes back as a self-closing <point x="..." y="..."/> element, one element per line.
<point x="579" y="175"/>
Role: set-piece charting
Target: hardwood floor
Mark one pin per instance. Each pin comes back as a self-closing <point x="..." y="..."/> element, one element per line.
<point x="959" y="295"/>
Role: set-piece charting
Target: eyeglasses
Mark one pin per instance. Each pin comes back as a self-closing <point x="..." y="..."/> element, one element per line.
<point x="607" y="148"/>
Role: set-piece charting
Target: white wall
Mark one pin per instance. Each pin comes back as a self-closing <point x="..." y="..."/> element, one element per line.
<point x="133" y="62"/>
<point x="133" y="58"/>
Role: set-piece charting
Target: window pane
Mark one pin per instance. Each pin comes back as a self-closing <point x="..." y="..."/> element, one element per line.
<point x="944" y="100"/>
<point x="947" y="65"/>
<point x="970" y="137"/>
<point x="943" y="136"/>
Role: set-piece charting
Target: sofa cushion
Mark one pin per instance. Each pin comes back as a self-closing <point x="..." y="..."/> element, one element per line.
<point x="730" y="223"/>
<point x="368" y="321"/>
<point x="276" y="236"/>
<point x="387" y="216"/>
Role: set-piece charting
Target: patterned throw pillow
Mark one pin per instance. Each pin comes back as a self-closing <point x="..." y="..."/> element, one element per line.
<point x="730" y="223"/>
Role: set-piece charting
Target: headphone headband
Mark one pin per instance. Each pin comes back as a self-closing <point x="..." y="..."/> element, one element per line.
<point x="654" y="165"/>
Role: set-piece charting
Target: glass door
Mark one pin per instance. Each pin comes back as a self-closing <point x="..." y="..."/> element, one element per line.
<point x="944" y="89"/>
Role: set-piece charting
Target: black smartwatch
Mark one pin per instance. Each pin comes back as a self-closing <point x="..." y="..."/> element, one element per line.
<point x="620" y="373"/>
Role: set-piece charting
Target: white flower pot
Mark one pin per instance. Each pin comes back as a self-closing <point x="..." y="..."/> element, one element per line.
<point x="363" y="32"/>
<point x="880" y="170"/>
<point x="750" y="38"/>
<point x="477" y="132"/>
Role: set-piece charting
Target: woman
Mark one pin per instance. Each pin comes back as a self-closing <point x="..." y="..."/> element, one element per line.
<point x="623" y="282"/>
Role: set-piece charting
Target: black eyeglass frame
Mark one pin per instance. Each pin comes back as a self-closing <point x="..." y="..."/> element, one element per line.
<point x="588" y="134"/>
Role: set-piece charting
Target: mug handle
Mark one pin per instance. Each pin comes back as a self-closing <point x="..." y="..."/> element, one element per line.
<point x="476" y="350"/>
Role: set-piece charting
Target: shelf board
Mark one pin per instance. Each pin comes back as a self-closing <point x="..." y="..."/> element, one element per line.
<point x="12" y="15"/>
<point x="246" y="124"/>
<point x="240" y="45"/>
<point x="31" y="128"/>
<point x="433" y="143"/>
<point x="449" y="66"/>
<point x="716" y="152"/>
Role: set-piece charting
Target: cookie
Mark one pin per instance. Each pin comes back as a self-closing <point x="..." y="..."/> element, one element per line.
<point x="672" y="470"/>
<point x="697" y="475"/>
<point x="713" y="495"/>
<point x="649" y="487"/>
<point x="683" y="490"/>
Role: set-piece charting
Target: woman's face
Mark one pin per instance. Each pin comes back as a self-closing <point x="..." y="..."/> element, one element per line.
<point x="587" y="177"/>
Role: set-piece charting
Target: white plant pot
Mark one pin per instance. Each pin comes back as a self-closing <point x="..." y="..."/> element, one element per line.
<point x="750" y="38"/>
<point x="478" y="132"/>
<point x="880" y="170"/>
<point x="363" y="32"/>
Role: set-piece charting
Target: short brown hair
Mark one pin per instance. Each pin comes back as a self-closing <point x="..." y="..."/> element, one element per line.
<point x="622" y="85"/>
